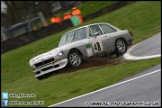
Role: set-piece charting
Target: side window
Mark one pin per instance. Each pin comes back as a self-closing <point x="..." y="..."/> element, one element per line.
<point x="80" y="34"/>
<point x="107" y="29"/>
<point x="96" y="31"/>
<point x="90" y="32"/>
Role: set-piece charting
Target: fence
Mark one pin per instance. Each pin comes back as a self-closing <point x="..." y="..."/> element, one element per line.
<point x="26" y="38"/>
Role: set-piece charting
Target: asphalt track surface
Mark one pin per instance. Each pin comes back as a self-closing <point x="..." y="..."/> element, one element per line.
<point x="149" y="48"/>
<point x="142" y="89"/>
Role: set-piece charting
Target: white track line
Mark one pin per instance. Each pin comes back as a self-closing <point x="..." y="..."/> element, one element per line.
<point x="107" y="87"/>
<point x="127" y="55"/>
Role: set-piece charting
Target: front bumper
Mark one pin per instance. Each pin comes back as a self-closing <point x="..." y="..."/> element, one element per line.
<point x="51" y="67"/>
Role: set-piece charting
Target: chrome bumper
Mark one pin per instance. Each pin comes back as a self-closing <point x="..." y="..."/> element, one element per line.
<point x="51" y="67"/>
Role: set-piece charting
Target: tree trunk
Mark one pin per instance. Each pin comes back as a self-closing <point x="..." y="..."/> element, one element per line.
<point x="10" y="14"/>
<point x="15" y="12"/>
<point x="44" y="7"/>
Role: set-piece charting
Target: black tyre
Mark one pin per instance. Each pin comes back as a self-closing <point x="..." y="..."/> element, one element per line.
<point x="75" y="58"/>
<point x="40" y="78"/>
<point x="121" y="47"/>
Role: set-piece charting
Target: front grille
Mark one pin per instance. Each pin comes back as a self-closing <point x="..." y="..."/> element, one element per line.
<point x="44" y="62"/>
<point x="38" y="72"/>
<point x="39" y="64"/>
<point x="49" y="60"/>
<point x="47" y="68"/>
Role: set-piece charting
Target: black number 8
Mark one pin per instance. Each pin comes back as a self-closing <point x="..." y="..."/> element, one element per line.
<point x="97" y="46"/>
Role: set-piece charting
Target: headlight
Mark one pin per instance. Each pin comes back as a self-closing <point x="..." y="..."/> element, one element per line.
<point x="60" y="53"/>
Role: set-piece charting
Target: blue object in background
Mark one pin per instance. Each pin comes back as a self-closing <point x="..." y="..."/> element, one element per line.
<point x="4" y="102"/>
<point x="4" y="95"/>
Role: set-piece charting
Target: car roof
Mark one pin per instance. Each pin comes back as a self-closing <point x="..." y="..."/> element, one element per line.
<point x="85" y="26"/>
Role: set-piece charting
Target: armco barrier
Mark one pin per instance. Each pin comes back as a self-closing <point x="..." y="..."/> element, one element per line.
<point x="27" y="38"/>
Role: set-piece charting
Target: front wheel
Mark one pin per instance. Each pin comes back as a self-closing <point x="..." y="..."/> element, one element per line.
<point x="40" y="77"/>
<point x="121" y="47"/>
<point x="75" y="58"/>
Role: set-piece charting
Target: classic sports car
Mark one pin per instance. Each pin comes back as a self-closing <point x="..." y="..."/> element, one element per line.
<point x="80" y="44"/>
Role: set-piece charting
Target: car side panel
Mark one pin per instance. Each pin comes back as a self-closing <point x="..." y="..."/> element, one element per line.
<point x="80" y="45"/>
<point x="112" y="37"/>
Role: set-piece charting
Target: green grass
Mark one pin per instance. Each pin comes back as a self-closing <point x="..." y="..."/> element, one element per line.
<point x="142" y="18"/>
<point x="67" y="85"/>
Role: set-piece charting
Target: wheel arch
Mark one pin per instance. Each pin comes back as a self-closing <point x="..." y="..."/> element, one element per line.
<point x="75" y="49"/>
<point x="122" y="39"/>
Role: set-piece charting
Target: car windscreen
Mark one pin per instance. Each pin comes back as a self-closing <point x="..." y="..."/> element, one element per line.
<point x="80" y="34"/>
<point x="75" y="35"/>
<point x="62" y="40"/>
<point x="66" y="38"/>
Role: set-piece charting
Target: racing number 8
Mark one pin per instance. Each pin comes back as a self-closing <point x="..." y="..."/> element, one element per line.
<point x="97" y="46"/>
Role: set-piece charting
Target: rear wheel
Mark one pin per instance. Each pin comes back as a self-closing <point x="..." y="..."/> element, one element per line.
<point x="121" y="47"/>
<point x="75" y="58"/>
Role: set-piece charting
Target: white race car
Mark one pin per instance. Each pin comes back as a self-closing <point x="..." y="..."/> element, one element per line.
<point x="80" y="44"/>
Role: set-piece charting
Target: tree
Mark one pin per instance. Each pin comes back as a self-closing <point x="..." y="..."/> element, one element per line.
<point x="45" y="8"/>
<point x="14" y="10"/>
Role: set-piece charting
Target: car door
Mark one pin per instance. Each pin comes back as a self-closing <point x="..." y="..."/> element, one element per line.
<point x="110" y="35"/>
<point x="96" y="37"/>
